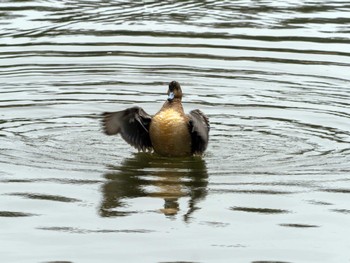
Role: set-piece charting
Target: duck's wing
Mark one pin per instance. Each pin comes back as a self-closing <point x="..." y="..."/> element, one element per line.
<point x="132" y="124"/>
<point x="199" y="129"/>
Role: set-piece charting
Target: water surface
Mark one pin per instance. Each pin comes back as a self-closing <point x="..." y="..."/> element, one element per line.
<point x="273" y="77"/>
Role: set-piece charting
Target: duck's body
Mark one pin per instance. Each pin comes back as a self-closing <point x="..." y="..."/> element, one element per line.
<point x="170" y="132"/>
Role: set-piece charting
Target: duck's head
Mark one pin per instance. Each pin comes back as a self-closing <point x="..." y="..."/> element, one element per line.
<point x="174" y="91"/>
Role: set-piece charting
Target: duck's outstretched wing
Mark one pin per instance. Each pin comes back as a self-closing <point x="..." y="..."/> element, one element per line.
<point x="132" y="124"/>
<point x="199" y="129"/>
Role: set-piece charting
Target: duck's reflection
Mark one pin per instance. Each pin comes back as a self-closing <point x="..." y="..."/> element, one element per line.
<point x="146" y="175"/>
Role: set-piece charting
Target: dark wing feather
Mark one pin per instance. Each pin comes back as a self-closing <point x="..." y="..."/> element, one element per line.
<point x="199" y="129"/>
<point x="132" y="124"/>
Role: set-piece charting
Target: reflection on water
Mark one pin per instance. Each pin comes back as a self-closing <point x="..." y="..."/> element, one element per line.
<point x="146" y="175"/>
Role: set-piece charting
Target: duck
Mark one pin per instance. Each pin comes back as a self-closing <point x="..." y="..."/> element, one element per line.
<point x="170" y="132"/>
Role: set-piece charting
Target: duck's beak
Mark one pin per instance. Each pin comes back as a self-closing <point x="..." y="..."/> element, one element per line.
<point x="171" y="96"/>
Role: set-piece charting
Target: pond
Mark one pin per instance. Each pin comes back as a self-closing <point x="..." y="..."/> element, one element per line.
<point x="273" y="78"/>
